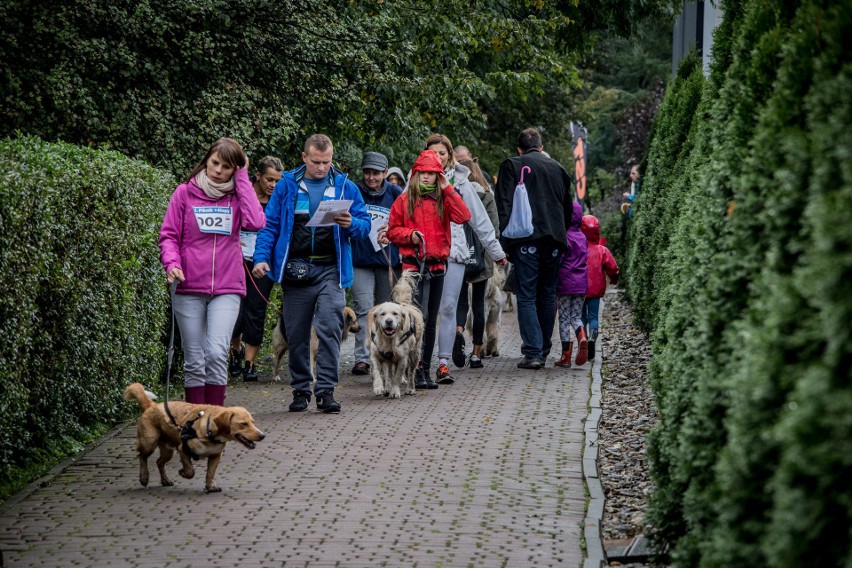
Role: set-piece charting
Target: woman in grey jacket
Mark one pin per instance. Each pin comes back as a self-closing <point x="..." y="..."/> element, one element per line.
<point x="457" y="175"/>
<point x="475" y="300"/>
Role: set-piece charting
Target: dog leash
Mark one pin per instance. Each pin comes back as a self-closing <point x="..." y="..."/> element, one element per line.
<point x="171" y="352"/>
<point x="391" y="277"/>
<point x="259" y="293"/>
<point x="187" y="432"/>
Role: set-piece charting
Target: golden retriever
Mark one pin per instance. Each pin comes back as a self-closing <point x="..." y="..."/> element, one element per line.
<point x="395" y="340"/>
<point x="279" y="339"/>
<point x="205" y="426"/>
<point x="495" y="301"/>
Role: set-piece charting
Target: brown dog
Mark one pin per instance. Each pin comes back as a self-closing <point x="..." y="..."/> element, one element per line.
<point x="279" y="339"/>
<point x="207" y="427"/>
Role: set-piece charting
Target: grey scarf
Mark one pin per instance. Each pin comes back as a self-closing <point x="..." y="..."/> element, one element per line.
<point x="212" y="189"/>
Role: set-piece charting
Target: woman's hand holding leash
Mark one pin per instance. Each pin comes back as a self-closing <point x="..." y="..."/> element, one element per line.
<point x="382" y="236"/>
<point x="416" y="237"/>
<point x="175" y="273"/>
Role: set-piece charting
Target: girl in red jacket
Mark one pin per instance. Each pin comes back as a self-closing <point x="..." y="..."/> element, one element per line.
<point x="419" y="225"/>
<point x="601" y="264"/>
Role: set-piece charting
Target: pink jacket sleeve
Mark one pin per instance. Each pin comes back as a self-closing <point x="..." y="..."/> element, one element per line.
<point x="171" y="233"/>
<point x="251" y="211"/>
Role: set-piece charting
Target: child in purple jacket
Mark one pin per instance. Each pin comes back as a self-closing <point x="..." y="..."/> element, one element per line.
<point x="571" y="291"/>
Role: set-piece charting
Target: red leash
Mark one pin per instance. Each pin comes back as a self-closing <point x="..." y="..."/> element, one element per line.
<point x="265" y="299"/>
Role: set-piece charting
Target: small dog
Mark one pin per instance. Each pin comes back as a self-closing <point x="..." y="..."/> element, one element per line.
<point x="204" y="429"/>
<point x="280" y="346"/>
<point x="495" y="301"/>
<point x="396" y="337"/>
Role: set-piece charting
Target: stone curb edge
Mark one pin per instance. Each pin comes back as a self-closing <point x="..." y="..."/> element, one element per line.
<point x="58" y="469"/>
<point x="595" y="554"/>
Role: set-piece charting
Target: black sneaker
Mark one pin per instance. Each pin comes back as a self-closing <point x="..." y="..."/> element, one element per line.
<point x="458" y="350"/>
<point x="443" y="376"/>
<point x="300" y="401"/>
<point x="475" y="362"/>
<point x="430" y="384"/>
<point x="361" y="368"/>
<point x="250" y="373"/>
<point x="327" y="404"/>
<point x="420" y="379"/>
<point x="235" y="362"/>
<point x="529" y="363"/>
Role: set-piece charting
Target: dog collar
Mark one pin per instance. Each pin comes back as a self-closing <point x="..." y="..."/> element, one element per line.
<point x="210" y="434"/>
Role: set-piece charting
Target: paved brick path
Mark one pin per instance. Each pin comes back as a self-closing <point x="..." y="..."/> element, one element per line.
<point x="485" y="472"/>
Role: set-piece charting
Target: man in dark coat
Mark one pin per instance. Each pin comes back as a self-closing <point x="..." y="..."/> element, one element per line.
<point x="536" y="257"/>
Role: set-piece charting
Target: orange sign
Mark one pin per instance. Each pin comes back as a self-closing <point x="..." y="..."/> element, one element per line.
<point x="580" y="168"/>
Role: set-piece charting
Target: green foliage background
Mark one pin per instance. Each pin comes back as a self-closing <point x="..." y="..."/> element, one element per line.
<point x="85" y="306"/>
<point x="740" y="266"/>
<point x="160" y="80"/>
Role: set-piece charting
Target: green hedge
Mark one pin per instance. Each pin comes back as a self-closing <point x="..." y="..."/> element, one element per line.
<point x="741" y="267"/>
<point x="84" y="305"/>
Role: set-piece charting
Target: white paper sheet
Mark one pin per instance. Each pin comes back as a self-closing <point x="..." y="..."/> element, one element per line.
<point x="327" y="211"/>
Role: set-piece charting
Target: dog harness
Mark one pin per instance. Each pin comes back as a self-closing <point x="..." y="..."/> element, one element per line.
<point x="405" y="336"/>
<point x="187" y="433"/>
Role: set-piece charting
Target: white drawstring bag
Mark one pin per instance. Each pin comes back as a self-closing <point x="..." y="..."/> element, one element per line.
<point x="520" y="221"/>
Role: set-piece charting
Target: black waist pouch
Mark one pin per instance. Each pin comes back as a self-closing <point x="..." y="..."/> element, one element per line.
<point x="301" y="273"/>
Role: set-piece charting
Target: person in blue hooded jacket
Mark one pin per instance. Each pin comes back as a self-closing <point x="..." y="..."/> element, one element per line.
<point x="372" y="282"/>
<point x="313" y="264"/>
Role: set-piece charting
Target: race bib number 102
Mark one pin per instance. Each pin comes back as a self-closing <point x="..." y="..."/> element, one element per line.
<point x="217" y="220"/>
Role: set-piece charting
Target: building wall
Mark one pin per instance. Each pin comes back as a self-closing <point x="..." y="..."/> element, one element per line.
<point x="693" y="29"/>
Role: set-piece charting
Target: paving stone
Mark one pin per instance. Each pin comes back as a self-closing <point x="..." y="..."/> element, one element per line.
<point x="484" y="472"/>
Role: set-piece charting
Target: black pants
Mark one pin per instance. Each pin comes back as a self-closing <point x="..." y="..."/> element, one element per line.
<point x="428" y="298"/>
<point x="478" y="300"/>
<point x="252" y="319"/>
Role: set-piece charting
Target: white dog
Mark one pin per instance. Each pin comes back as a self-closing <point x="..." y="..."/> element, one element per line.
<point x="495" y="300"/>
<point x="396" y="337"/>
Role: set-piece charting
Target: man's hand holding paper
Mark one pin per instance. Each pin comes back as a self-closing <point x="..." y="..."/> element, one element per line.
<point x="332" y="212"/>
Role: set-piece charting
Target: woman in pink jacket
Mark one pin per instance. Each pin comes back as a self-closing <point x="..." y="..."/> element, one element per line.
<point x="200" y="247"/>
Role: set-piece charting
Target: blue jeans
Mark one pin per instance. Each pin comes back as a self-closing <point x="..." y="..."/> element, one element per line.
<point x="590" y="314"/>
<point x="536" y="269"/>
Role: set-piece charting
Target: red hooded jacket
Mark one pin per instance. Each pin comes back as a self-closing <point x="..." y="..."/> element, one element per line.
<point x="435" y="231"/>
<point x="600" y="262"/>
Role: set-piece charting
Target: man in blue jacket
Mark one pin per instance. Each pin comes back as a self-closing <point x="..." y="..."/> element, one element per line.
<point x="313" y="264"/>
<point x="372" y="282"/>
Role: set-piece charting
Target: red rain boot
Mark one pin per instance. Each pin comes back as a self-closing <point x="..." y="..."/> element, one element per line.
<point x="582" y="347"/>
<point x="215" y="394"/>
<point x="565" y="361"/>
<point x="193" y="395"/>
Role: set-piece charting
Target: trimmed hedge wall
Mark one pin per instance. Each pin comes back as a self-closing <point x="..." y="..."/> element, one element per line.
<point x="84" y="303"/>
<point x="741" y="267"/>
